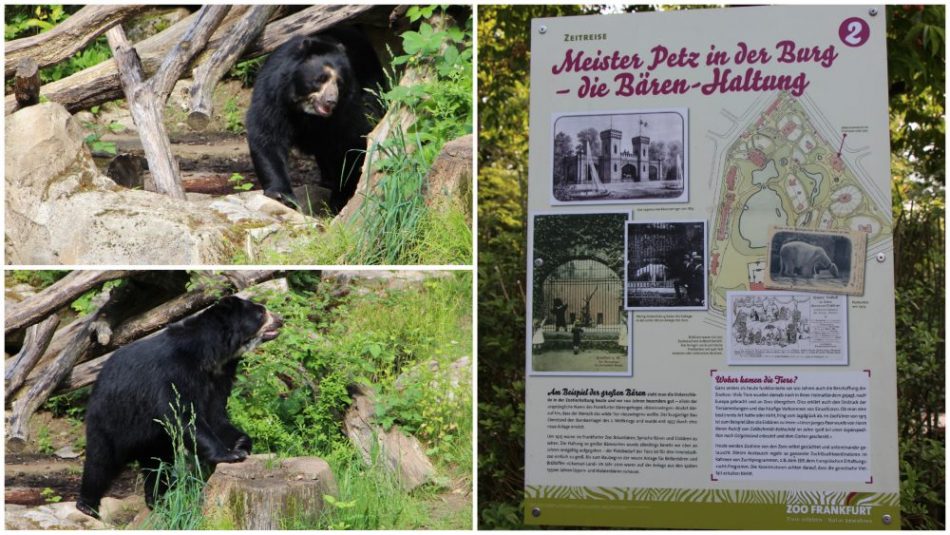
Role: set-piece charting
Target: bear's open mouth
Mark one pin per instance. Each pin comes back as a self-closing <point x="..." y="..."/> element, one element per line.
<point x="271" y="328"/>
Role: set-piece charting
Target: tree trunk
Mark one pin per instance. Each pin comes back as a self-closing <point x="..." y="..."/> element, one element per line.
<point x="146" y="99"/>
<point x="207" y="75"/>
<point x="60" y="293"/>
<point x="66" y="38"/>
<point x="37" y="339"/>
<point x="100" y="83"/>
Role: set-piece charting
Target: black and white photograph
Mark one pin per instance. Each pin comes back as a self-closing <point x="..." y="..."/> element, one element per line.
<point x="818" y="261"/>
<point x="666" y="265"/>
<point x="577" y="322"/>
<point x="639" y="156"/>
<point x="786" y="329"/>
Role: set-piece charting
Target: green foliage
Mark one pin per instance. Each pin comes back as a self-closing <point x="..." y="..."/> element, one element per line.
<point x="97" y="146"/>
<point x="392" y="215"/>
<point x="180" y="507"/>
<point x="44" y="443"/>
<point x="370" y="498"/>
<point x="369" y="340"/>
<point x="240" y="183"/>
<point x="50" y="496"/>
<point x="71" y="405"/>
<point x="84" y="303"/>
<point x="246" y="71"/>
<point x="24" y="21"/>
<point x="233" y="117"/>
<point x="38" y="279"/>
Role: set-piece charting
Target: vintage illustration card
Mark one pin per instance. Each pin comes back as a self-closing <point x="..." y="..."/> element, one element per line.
<point x="828" y="261"/>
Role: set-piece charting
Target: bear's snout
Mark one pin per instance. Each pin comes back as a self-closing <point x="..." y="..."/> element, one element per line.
<point x="271" y="327"/>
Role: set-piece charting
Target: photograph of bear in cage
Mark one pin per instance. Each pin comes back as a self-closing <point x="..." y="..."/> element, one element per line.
<point x="577" y="324"/>
<point x="630" y="157"/>
<point x="830" y="261"/>
<point x="666" y="265"/>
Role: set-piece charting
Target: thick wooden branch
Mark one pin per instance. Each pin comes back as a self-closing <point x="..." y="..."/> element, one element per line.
<point x="67" y="38"/>
<point x="207" y="75"/>
<point x="100" y="83"/>
<point x="60" y="293"/>
<point x="37" y="393"/>
<point x="26" y="84"/>
<point x="147" y="113"/>
<point x="193" y="42"/>
<point x="37" y="339"/>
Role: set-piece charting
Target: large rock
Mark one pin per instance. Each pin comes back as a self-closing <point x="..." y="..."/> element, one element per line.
<point x="60" y="210"/>
<point x="59" y="516"/>
<point x="400" y="454"/>
<point x="261" y="491"/>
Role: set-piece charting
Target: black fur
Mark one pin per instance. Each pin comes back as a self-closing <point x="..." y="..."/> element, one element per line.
<point x="199" y="356"/>
<point x="277" y="120"/>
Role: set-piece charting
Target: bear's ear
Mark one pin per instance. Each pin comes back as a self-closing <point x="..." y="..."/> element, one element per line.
<point x="318" y="45"/>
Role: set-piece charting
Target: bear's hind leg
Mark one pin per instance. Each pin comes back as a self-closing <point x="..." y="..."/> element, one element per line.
<point x="99" y="470"/>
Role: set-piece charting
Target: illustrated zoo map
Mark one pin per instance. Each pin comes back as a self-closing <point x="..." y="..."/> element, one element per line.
<point x="784" y="170"/>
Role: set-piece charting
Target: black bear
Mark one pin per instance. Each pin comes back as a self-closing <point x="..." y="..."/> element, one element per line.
<point x="311" y="94"/>
<point x="192" y="363"/>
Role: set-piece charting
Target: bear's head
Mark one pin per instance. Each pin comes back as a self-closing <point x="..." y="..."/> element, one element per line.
<point x="323" y="79"/>
<point x="230" y="328"/>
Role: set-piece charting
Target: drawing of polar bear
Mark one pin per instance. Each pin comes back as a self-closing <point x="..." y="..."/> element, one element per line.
<point x="806" y="258"/>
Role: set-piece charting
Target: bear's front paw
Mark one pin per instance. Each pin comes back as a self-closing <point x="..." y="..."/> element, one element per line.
<point x="231" y="457"/>
<point x="243" y="445"/>
<point x="86" y="509"/>
<point x="285" y="198"/>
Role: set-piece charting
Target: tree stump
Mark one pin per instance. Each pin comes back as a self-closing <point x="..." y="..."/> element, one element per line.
<point x="262" y="491"/>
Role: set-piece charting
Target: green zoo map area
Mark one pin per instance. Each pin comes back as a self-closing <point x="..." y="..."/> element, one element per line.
<point x="781" y="171"/>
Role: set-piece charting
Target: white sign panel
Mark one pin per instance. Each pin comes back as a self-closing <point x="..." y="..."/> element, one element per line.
<point x="682" y="165"/>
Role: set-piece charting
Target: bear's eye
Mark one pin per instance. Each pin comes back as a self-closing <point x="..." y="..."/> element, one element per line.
<point x="322" y="79"/>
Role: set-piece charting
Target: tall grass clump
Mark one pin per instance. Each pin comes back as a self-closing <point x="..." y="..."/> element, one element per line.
<point x="180" y="508"/>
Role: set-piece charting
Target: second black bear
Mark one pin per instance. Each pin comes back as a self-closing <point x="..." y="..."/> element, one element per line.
<point x="191" y="363"/>
<point x="310" y="94"/>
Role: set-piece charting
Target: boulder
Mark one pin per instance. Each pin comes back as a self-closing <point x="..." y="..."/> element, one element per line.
<point x="61" y="210"/>
<point x="400" y="454"/>
<point x="261" y="491"/>
<point x="450" y="176"/>
<point x="59" y="516"/>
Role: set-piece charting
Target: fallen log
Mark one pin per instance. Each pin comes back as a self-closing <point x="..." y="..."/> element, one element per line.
<point x="30" y="399"/>
<point x="26" y="84"/>
<point x="146" y="99"/>
<point x="37" y="339"/>
<point x="100" y="83"/>
<point x="60" y="293"/>
<point x="66" y="38"/>
<point x="207" y="75"/>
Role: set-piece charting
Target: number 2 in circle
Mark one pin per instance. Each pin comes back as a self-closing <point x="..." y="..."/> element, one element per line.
<point x="854" y="31"/>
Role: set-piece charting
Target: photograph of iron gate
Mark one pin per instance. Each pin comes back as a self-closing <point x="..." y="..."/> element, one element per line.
<point x="589" y="289"/>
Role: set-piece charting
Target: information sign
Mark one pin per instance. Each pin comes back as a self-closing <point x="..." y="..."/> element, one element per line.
<point x="710" y="335"/>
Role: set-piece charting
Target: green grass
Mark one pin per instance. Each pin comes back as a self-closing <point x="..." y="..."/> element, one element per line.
<point x="180" y="507"/>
